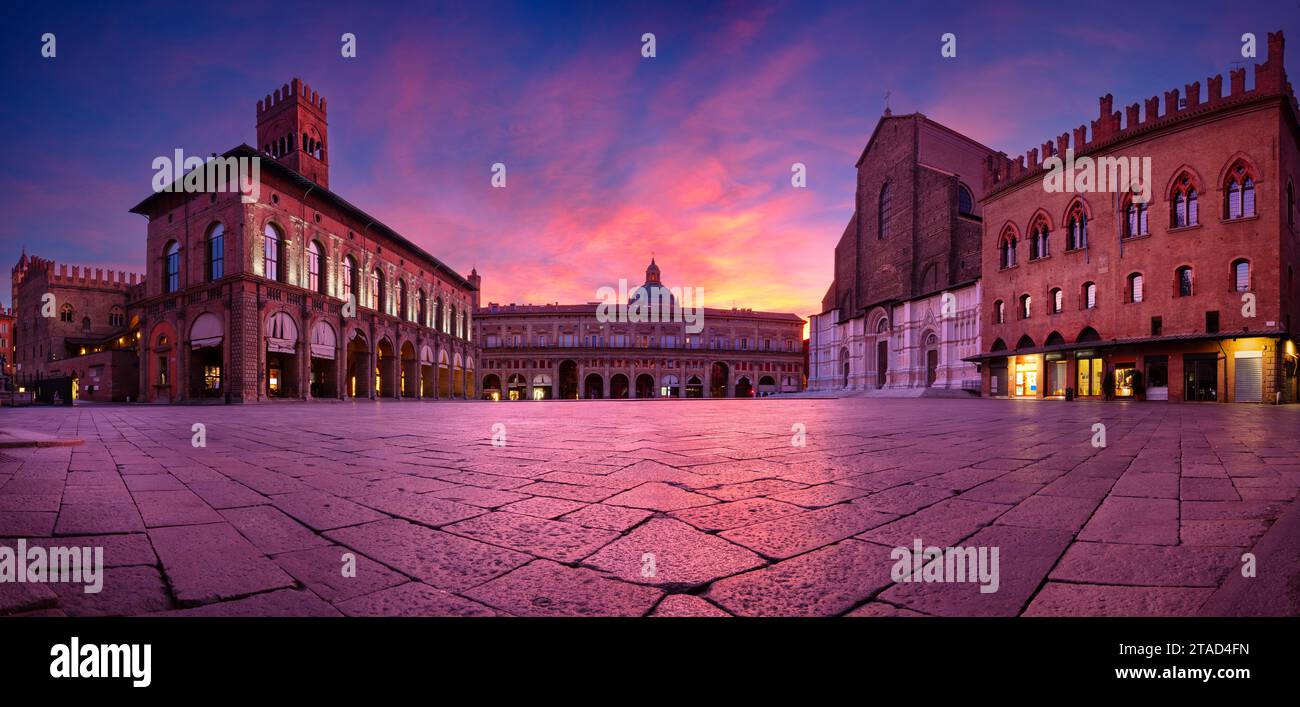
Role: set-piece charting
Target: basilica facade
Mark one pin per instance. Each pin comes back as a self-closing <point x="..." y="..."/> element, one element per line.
<point x="903" y="311"/>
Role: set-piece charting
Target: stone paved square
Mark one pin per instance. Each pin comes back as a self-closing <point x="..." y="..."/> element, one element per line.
<point x="658" y="508"/>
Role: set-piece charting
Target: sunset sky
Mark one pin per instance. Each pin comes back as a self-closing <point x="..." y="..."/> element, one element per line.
<point x="610" y="156"/>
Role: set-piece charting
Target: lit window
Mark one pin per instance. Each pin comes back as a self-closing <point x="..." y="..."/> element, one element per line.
<point x="315" y="282"/>
<point x="273" y="250"/>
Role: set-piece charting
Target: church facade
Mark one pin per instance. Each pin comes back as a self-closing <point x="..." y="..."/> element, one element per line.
<point x="903" y="311"/>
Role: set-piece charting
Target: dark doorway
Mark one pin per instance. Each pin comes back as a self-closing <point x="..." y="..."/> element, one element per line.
<point x="359" y="377"/>
<point x="618" y="386"/>
<point x="569" y="380"/>
<point x="386" y="370"/>
<point x="645" y="386"/>
<point x="882" y="363"/>
<point x="517" y="387"/>
<point x="323" y="378"/>
<point x="595" y="386"/>
<point x="998" y="378"/>
<point x="1157" y="378"/>
<point x="931" y="367"/>
<point x="744" y="389"/>
<point x="694" y="387"/>
<point x="1201" y="377"/>
<point x="281" y="375"/>
<point x="205" y="372"/>
<point x="492" y="387"/>
<point x="844" y="366"/>
<point x="720" y="373"/>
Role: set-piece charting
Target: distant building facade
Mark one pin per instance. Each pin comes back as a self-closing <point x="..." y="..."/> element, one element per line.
<point x="539" y="352"/>
<point x="1191" y="296"/>
<point x="247" y="295"/>
<point x="904" y="308"/>
<point x="90" y="336"/>
<point x="7" y="320"/>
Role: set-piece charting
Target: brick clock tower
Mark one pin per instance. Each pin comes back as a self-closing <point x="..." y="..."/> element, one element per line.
<point x="291" y="128"/>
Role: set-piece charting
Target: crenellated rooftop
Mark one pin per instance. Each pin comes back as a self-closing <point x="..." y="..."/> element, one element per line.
<point x="76" y="276"/>
<point x="282" y="96"/>
<point x="1111" y="126"/>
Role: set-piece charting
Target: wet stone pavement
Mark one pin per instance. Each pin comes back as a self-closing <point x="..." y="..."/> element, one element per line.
<point x="646" y="508"/>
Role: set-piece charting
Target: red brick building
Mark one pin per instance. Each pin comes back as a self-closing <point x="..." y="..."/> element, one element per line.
<point x="75" y="323"/>
<point x="247" y="291"/>
<point x="1191" y="296"/>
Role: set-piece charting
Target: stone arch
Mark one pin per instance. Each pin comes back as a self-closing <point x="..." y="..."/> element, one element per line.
<point x="1194" y="177"/>
<point x="457" y="376"/>
<point x="444" y="374"/>
<point x="408" y="371"/>
<point x="281" y="349"/>
<point x="645" y="386"/>
<point x="593" y="386"/>
<point x="429" y="373"/>
<point x="492" y="386"/>
<point x="385" y="368"/>
<point x="744" y="387"/>
<point x="205" y="353"/>
<point x="1244" y="159"/>
<point x="358" y="379"/>
<point x="1041" y="214"/>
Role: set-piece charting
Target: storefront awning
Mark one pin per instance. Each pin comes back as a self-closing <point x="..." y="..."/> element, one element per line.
<point x="281" y="333"/>
<point x="322" y="341"/>
<point x="206" y="331"/>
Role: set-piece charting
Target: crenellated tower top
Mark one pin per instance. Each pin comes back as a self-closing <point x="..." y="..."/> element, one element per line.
<point x="292" y="129"/>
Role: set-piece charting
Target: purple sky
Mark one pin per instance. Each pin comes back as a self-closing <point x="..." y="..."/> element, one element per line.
<point x="610" y="156"/>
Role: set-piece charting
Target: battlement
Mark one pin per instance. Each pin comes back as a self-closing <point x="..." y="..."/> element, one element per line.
<point x="1110" y="126"/>
<point x="76" y="276"/>
<point x="284" y="96"/>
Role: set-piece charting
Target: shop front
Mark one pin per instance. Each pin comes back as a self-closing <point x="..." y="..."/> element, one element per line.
<point x="1091" y="370"/>
<point x="1027" y="371"/>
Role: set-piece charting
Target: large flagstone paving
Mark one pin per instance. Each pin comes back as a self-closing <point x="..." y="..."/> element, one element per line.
<point x="653" y="508"/>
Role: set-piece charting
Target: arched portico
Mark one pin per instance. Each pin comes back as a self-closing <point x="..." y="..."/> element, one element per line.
<point x="594" y="386"/>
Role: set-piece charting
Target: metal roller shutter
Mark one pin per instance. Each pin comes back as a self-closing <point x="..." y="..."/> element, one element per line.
<point x="1249" y="379"/>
